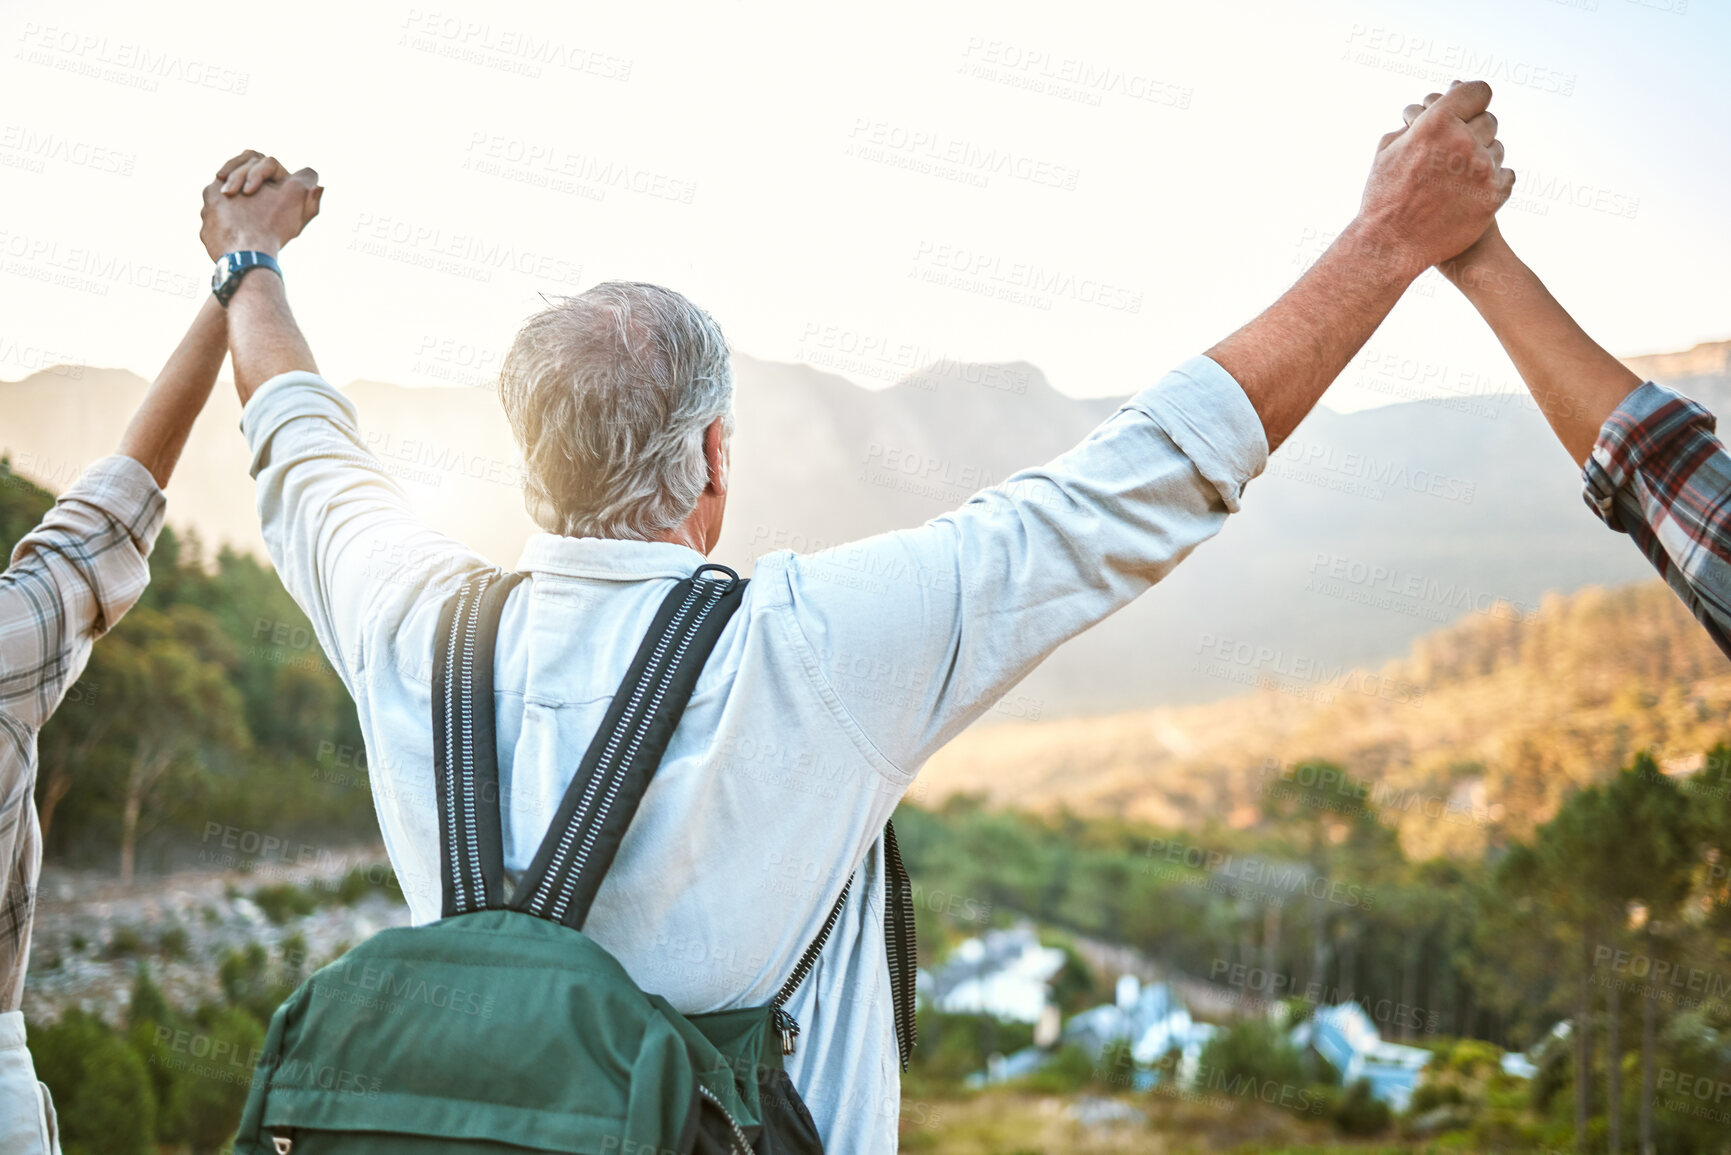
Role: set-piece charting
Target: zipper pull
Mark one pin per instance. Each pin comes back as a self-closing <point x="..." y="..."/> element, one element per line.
<point x="282" y="1143"/>
<point x="788" y="1028"/>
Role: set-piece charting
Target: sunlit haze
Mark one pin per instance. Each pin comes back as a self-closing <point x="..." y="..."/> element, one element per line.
<point x="1094" y="189"/>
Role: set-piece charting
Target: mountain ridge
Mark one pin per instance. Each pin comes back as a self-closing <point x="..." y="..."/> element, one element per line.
<point x="1448" y="494"/>
<point x="1476" y="734"/>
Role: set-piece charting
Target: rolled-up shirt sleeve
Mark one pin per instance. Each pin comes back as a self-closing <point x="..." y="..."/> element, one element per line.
<point x="1658" y="474"/>
<point x="71" y="579"/>
<point x="339" y="529"/>
<point x="921" y="631"/>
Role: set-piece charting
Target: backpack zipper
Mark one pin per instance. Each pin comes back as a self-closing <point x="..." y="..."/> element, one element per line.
<point x="787" y="1027"/>
<point x="904" y="962"/>
<point x="739" y="1140"/>
<point x="898" y="946"/>
<point x="786" y="1024"/>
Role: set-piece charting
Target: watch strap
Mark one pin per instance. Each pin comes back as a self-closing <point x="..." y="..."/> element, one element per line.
<point x="231" y="267"/>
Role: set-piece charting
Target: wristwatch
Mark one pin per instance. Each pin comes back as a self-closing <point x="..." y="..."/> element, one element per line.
<point x="231" y="267"/>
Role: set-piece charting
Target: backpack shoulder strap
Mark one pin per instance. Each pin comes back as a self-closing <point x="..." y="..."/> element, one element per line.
<point x="567" y="871"/>
<point x="585" y="834"/>
<point x="465" y="753"/>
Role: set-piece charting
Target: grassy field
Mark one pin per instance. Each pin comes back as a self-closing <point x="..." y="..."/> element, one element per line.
<point x="1008" y="1122"/>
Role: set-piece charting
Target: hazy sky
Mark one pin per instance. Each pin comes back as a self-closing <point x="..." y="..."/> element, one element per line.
<point x="1099" y="189"/>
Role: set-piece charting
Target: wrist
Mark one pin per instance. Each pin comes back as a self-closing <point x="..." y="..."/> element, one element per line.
<point x="1380" y="250"/>
<point x="255" y="286"/>
<point x="232" y="270"/>
<point x="1490" y="267"/>
<point x="251" y="244"/>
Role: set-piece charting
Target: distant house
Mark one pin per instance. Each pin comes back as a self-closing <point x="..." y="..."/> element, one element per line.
<point x="1003" y="973"/>
<point x="1518" y="1065"/>
<point x="1526" y="1066"/>
<point x="1345" y="1036"/>
<point x="1003" y="1068"/>
<point x="1153" y="1020"/>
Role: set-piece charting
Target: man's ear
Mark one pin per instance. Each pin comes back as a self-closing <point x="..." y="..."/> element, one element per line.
<point x="715" y="455"/>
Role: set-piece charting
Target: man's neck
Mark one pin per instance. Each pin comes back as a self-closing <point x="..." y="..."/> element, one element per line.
<point x="688" y="533"/>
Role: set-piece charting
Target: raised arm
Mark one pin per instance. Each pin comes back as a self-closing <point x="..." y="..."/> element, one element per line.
<point x="340" y="531"/>
<point x="1574" y="382"/>
<point x="1651" y="465"/>
<point x="256" y="205"/>
<point x="74" y="575"/>
<point x="920" y="632"/>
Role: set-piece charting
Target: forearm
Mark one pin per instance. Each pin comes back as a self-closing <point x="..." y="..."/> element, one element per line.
<point x="262" y="334"/>
<point x="158" y="431"/>
<point x="1289" y="355"/>
<point x="1573" y="380"/>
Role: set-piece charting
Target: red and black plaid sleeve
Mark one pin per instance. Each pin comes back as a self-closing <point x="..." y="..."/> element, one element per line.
<point x="1658" y="474"/>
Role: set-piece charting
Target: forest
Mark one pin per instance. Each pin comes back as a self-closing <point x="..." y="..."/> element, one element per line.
<point x="209" y="701"/>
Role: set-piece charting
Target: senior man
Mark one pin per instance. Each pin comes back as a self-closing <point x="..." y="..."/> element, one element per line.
<point x="620" y="399"/>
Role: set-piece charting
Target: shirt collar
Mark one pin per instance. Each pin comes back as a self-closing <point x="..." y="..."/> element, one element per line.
<point x="607" y="559"/>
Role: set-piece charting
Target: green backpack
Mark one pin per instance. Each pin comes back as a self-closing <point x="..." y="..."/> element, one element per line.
<point x="502" y="1027"/>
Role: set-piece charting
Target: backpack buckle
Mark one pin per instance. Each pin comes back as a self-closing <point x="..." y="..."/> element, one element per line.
<point x="732" y="578"/>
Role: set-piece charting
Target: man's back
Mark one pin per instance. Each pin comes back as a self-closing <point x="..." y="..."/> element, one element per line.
<point x="836" y="679"/>
<point x="760" y="811"/>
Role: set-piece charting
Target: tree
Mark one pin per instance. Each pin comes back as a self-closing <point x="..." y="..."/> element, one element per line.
<point x="205" y="1108"/>
<point x="147" y="741"/>
<point x="1654" y="855"/>
<point x="1253" y="1051"/>
<point x="1626" y="843"/>
<point x="102" y="1090"/>
<point x="1557" y="878"/>
<point x="170" y="698"/>
<point x="63" y="750"/>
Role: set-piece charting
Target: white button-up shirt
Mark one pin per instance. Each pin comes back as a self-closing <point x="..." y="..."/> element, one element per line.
<point x="841" y="673"/>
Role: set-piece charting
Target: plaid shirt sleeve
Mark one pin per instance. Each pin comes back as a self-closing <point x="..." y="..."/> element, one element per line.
<point x="1658" y="474"/>
<point x="71" y="578"/>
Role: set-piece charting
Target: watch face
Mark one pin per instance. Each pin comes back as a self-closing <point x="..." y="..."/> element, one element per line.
<point x="231" y="267"/>
<point x="223" y="280"/>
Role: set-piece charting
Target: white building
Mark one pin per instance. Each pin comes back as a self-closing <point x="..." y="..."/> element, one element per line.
<point x="1004" y="973"/>
<point x="1345" y="1036"/>
<point x="1153" y="1020"/>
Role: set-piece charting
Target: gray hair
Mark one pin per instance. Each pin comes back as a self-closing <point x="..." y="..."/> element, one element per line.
<point x="609" y="394"/>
